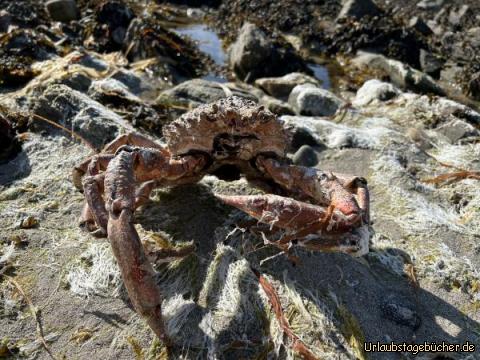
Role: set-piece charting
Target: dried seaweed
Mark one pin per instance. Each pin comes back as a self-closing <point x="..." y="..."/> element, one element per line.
<point x="297" y="344"/>
<point x="449" y="178"/>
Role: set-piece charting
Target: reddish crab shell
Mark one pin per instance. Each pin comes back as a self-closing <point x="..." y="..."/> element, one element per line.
<point x="230" y="130"/>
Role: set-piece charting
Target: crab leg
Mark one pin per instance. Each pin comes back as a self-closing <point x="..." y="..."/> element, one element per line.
<point x="127" y="167"/>
<point x="282" y="212"/>
<point x="348" y="194"/>
<point x="93" y="188"/>
<point x="307" y="223"/>
<point x="132" y="139"/>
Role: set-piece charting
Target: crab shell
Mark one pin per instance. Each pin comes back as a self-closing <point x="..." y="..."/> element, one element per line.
<point x="231" y="131"/>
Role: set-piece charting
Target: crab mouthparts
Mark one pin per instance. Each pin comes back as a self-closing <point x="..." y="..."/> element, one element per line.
<point x="228" y="145"/>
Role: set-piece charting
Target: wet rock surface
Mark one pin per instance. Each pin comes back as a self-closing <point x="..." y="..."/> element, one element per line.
<point x="254" y="54"/>
<point x="405" y="118"/>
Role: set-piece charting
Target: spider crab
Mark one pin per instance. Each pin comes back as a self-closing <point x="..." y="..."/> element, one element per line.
<point x="323" y="210"/>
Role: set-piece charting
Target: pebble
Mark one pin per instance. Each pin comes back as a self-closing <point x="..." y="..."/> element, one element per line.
<point x="62" y="10"/>
<point x="401" y="310"/>
<point x="305" y="156"/>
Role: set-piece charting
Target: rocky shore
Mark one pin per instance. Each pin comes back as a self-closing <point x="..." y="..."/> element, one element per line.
<point x="385" y="90"/>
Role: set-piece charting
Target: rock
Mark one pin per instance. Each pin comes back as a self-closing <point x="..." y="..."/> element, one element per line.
<point x="310" y="100"/>
<point x="62" y="10"/>
<point x="305" y="156"/>
<point x="456" y="17"/>
<point x="430" y="4"/>
<point x="402" y="75"/>
<point x="111" y="87"/>
<point x="419" y="137"/>
<point x="254" y="55"/>
<point x="281" y="87"/>
<point x="112" y="21"/>
<point x="474" y="86"/>
<point x="9" y="145"/>
<point x="131" y="80"/>
<point x="401" y="310"/>
<point x="5" y="20"/>
<point x="77" y="81"/>
<point x="418" y="24"/>
<point x="28" y="222"/>
<point x="457" y="129"/>
<point x="302" y="136"/>
<point x="358" y="9"/>
<point x="276" y="106"/>
<point x="76" y="111"/>
<point x="430" y="63"/>
<point x="375" y="90"/>
<point x="198" y="91"/>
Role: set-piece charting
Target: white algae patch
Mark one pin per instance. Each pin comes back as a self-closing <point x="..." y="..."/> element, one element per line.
<point x="96" y="273"/>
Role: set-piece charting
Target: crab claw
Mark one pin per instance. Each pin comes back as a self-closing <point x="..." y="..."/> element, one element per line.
<point x="276" y="210"/>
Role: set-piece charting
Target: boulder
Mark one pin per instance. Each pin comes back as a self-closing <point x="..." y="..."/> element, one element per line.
<point x="457" y="129"/>
<point x="276" y="106"/>
<point x="418" y="24"/>
<point x="254" y="55"/>
<point x="430" y="4"/>
<point x="310" y="100"/>
<point x="474" y="86"/>
<point x="457" y="16"/>
<point x="280" y="87"/>
<point x="62" y="10"/>
<point x="402" y="75"/>
<point x="375" y="90"/>
<point x="198" y="91"/>
<point x="305" y="156"/>
<point x="358" y="9"/>
<point x="431" y="64"/>
<point x="76" y="111"/>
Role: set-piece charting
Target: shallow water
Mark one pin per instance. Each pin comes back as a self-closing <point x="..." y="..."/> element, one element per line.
<point x="208" y="41"/>
<point x="321" y="73"/>
<point x="211" y="44"/>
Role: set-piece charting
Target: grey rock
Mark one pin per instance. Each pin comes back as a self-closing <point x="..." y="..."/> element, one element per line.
<point x="250" y="49"/>
<point x="276" y="106"/>
<point x="198" y="91"/>
<point x="418" y="24"/>
<point x="62" y="10"/>
<point x="5" y="20"/>
<point x="402" y="75"/>
<point x="130" y="79"/>
<point x="401" y="310"/>
<point x="358" y="9"/>
<point x="302" y="136"/>
<point x="254" y="55"/>
<point x="375" y="90"/>
<point x="75" y="110"/>
<point x="430" y="63"/>
<point x="436" y="27"/>
<point x="281" y="87"/>
<point x="430" y="4"/>
<point x="474" y="86"/>
<point x="77" y="81"/>
<point x="457" y="129"/>
<point x="112" y="87"/>
<point x="456" y="17"/>
<point x="310" y="100"/>
<point x="305" y="156"/>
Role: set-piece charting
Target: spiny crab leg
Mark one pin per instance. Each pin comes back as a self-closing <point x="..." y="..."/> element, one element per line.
<point x="278" y="211"/>
<point x="127" y="167"/>
<point x="349" y="194"/>
<point x="305" y="222"/>
<point x="92" y="183"/>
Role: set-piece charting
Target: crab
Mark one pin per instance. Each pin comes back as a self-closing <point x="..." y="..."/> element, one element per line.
<point x="316" y="209"/>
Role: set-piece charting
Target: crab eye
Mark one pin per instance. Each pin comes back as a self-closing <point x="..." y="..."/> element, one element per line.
<point x="323" y="177"/>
